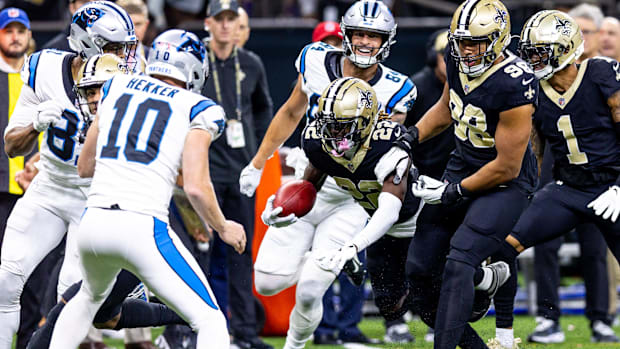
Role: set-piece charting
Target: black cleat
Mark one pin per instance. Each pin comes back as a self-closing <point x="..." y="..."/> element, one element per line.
<point x="482" y="298"/>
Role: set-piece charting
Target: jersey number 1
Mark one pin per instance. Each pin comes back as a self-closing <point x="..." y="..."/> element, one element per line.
<point x="575" y="156"/>
<point x="132" y="153"/>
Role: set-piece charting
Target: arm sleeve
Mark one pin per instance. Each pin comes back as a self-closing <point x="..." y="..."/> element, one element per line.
<point x="25" y="109"/>
<point x="381" y="221"/>
<point x="262" y="106"/>
<point x="211" y="119"/>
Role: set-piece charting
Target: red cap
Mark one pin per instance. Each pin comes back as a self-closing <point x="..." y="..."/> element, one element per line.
<point x="325" y="29"/>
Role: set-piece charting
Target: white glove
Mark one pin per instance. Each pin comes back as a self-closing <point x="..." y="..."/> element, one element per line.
<point x="396" y="159"/>
<point x="249" y="179"/>
<point x="334" y="260"/>
<point x="48" y="112"/>
<point x="429" y="189"/>
<point x="607" y="205"/>
<point x="297" y="159"/>
<point x="271" y="218"/>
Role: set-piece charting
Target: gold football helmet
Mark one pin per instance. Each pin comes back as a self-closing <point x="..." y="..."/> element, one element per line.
<point x="347" y="115"/>
<point x="483" y="22"/>
<point x="550" y="40"/>
<point x="93" y="74"/>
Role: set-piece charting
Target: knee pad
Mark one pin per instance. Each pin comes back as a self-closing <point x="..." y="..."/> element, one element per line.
<point x="270" y="284"/>
<point x="11" y="286"/>
<point x="309" y="292"/>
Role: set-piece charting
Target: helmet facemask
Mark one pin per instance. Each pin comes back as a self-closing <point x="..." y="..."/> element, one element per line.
<point x="342" y="135"/>
<point x="475" y="65"/>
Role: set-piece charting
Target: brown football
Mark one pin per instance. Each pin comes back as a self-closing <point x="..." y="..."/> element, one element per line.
<point x="296" y="196"/>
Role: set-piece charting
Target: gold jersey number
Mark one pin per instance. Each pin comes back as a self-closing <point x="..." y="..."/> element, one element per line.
<point x="471" y="123"/>
<point x="575" y="156"/>
<point x="366" y="192"/>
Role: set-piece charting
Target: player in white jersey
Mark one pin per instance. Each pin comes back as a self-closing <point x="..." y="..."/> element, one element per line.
<point x="369" y="29"/>
<point x="145" y="130"/>
<point x="56" y="198"/>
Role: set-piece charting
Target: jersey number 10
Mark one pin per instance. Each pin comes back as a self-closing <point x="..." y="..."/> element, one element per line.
<point x="131" y="151"/>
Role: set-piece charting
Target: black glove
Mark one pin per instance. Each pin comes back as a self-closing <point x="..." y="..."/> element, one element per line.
<point x="454" y="193"/>
<point x="408" y="140"/>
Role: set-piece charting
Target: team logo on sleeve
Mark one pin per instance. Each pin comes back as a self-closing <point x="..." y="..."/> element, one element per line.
<point x="365" y="99"/>
<point x="615" y="67"/>
<point x="562" y="25"/>
<point x="529" y="94"/>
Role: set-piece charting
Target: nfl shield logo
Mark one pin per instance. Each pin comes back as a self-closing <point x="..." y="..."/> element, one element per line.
<point x="561" y="101"/>
<point x="466" y="88"/>
<point x="13" y="12"/>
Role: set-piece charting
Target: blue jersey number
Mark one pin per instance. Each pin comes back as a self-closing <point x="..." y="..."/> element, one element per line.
<point x="392" y="77"/>
<point x="132" y="153"/>
<point x="60" y="140"/>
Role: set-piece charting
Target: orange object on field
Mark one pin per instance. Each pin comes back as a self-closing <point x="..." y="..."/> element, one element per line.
<point x="278" y="307"/>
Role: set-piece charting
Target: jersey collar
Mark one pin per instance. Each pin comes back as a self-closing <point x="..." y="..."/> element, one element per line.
<point x="562" y="99"/>
<point x="469" y="86"/>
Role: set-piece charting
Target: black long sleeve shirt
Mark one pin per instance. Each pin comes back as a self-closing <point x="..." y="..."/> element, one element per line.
<point x="226" y="163"/>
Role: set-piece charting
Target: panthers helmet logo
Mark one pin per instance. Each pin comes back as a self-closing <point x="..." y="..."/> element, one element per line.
<point x="87" y="17"/>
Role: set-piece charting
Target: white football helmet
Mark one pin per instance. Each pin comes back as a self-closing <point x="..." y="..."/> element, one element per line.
<point x="180" y="55"/>
<point x="99" y="24"/>
<point x="372" y="16"/>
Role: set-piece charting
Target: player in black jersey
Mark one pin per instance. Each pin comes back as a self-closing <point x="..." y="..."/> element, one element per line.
<point x="346" y="141"/>
<point x="490" y="95"/>
<point x="579" y="115"/>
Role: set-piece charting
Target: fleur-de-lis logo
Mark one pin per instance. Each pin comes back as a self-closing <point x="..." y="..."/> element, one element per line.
<point x="562" y="25"/>
<point x="500" y="16"/>
<point x="365" y="99"/>
<point x="529" y="94"/>
<point x="617" y="71"/>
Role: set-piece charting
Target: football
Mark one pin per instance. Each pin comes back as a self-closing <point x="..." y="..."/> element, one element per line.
<point x="296" y="196"/>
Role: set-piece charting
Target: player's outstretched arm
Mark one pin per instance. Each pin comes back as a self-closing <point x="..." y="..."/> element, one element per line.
<point x="511" y="140"/>
<point x="280" y="129"/>
<point x="200" y="192"/>
<point x="86" y="160"/>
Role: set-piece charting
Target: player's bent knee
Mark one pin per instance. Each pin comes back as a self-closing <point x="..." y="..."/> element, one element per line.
<point x="308" y="293"/>
<point x="270" y="284"/>
<point x="11" y="286"/>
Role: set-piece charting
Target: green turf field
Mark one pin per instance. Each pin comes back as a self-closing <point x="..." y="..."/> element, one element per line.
<point x="576" y="329"/>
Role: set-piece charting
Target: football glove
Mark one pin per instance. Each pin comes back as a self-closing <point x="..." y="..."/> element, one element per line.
<point x="270" y="215"/>
<point x="436" y="192"/>
<point x="249" y="179"/>
<point x="396" y="159"/>
<point x="607" y="205"/>
<point x="334" y="260"/>
<point x="48" y="113"/>
<point x="408" y="140"/>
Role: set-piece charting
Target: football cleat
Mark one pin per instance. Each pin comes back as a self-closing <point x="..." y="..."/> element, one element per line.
<point x="398" y="333"/>
<point x="602" y="333"/>
<point x="482" y="298"/>
<point x="547" y="331"/>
